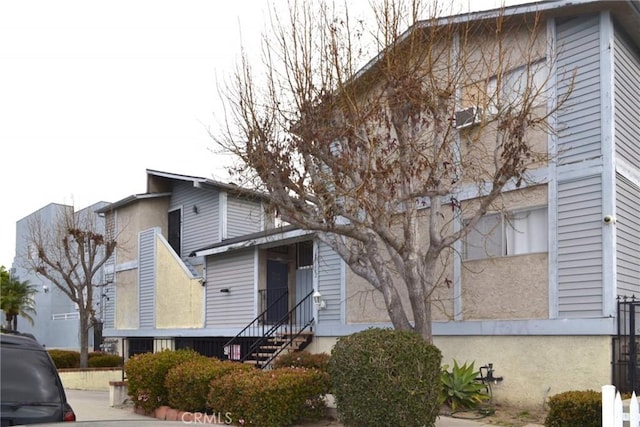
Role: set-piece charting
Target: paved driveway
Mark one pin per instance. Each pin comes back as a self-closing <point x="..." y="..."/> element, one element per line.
<point x="94" y="406"/>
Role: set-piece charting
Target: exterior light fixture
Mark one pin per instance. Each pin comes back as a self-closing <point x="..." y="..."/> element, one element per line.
<point x="318" y="301"/>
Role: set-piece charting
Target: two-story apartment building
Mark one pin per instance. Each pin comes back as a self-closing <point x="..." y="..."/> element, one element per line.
<point x="535" y="291"/>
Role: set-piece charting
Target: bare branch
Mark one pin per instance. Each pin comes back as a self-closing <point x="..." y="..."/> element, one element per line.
<point x="69" y="251"/>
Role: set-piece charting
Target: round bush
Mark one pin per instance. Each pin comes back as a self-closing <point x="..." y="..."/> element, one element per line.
<point x="575" y="409"/>
<point x="146" y="373"/>
<point x="188" y="383"/>
<point x="386" y="376"/>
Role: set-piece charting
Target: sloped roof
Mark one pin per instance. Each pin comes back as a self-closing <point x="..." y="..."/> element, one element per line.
<point x="197" y="181"/>
<point x="130" y="199"/>
<point x="626" y="12"/>
<point x="275" y="236"/>
<point x="201" y="181"/>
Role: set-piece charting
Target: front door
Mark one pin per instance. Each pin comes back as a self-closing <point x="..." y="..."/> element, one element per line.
<point x="277" y="290"/>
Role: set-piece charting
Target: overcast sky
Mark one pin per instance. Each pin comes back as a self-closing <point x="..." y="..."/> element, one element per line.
<point x="93" y="93"/>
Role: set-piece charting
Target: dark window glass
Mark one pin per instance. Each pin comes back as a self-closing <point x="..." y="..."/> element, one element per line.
<point x="27" y="376"/>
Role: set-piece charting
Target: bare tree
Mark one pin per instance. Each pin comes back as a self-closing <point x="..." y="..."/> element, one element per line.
<point x="70" y="252"/>
<point x="372" y="157"/>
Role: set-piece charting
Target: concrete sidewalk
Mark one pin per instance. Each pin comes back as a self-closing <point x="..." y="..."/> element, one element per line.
<point x="94" y="406"/>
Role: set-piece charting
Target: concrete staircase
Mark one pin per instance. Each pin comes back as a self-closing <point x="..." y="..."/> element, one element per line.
<point x="277" y="345"/>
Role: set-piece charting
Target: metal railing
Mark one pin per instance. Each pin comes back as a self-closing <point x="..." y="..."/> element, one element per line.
<point x="626" y="346"/>
<point x="259" y="332"/>
<point x="66" y="316"/>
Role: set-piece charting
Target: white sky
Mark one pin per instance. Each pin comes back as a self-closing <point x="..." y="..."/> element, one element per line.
<point x="93" y="93"/>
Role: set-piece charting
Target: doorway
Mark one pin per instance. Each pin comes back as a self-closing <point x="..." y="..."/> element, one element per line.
<point x="277" y="290"/>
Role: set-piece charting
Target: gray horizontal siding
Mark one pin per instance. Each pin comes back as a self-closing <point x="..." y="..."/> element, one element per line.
<point x="243" y="216"/>
<point x="234" y="271"/>
<point x="329" y="266"/>
<point x="579" y="119"/>
<point x="627" y="237"/>
<point x="579" y="237"/>
<point x="627" y="95"/>
<point x="146" y="278"/>
<point x="198" y="229"/>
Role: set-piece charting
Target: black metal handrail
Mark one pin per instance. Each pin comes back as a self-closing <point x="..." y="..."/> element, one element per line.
<point x="292" y="324"/>
<point x="257" y="327"/>
<point x="297" y="321"/>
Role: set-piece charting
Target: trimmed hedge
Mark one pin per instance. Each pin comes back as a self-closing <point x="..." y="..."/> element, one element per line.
<point x="65" y="359"/>
<point x="386" y="376"/>
<point x="146" y="376"/>
<point x="303" y="359"/>
<point x="104" y="360"/>
<point x="69" y="359"/>
<point x="575" y="409"/>
<point x="276" y="398"/>
<point x="188" y="383"/>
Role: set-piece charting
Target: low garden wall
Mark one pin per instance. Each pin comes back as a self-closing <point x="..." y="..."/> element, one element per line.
<point x="89" y="378"/>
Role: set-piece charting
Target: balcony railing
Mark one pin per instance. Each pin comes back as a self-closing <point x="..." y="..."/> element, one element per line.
<point x="65" y="316"/>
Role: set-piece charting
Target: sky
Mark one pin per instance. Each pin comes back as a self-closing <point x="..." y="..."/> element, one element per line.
<point x="94" y="93"/>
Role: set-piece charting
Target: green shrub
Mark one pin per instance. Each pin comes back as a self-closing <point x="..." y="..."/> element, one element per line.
<point x="146" y="374"/>
<point x="303" y="359"/>
<point x="383" y="376"/>
<point x="460" y="389"/>
<point x="275" y="398"/>
<point x="104" y="360"/>
<point x="575" y="409"/>
<point x="65" y="359"/>
<point x="188" y="383"/>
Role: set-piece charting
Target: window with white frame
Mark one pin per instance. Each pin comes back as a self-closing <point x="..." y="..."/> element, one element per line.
<point x="304" y="254"/>
<point x="512" y="233"/>
<point x="528" y="79"/>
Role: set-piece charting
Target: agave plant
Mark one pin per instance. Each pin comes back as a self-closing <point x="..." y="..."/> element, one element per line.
<point x="460" y="387"/>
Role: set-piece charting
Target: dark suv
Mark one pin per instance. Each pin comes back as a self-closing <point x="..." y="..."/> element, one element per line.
<point x="30" y="388"/>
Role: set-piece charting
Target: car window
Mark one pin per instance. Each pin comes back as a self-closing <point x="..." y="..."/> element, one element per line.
<point x="27" y="376"/>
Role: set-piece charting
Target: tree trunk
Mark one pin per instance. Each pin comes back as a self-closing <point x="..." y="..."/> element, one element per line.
<point x="84" y="341"/>
<point x="423" y="322"/>
<point x="393" y="302"/>
<point x="420" y="307"/>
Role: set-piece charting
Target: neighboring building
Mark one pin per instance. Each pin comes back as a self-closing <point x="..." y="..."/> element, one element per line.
<point x="202" y="260"/>
<point x="56" y="322"/>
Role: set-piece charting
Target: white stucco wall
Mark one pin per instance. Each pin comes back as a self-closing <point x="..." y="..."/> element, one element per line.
<point x="533" y="367"/>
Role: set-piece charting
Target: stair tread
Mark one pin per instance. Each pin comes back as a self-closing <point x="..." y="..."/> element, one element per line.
<point x="288" y="339"/>
<point x="287" y="334"/>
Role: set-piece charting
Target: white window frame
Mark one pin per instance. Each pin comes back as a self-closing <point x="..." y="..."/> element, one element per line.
<point x="505" y="234"/>
<point x="536" y="73"/>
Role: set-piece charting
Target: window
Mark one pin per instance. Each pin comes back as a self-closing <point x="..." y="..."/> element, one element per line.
<point x="516" y="83"/>
<point x="304" y="255"/>
<point x="512" y="233"/>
